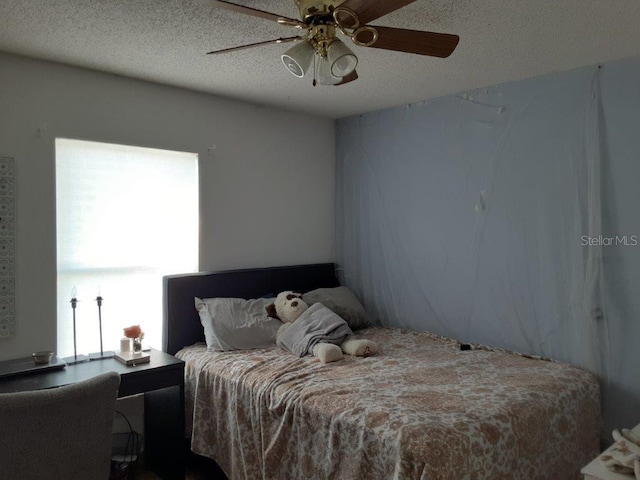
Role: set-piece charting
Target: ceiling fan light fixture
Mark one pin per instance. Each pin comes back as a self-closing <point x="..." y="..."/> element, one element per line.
<point x="341" y="59"/>
<point x="322" y="19"/>
<point x="298" y="58"/>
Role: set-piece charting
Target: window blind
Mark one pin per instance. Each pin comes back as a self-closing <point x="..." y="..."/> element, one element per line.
<point x="126" y="216"/>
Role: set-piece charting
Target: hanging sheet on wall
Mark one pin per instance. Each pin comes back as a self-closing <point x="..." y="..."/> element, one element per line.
<point x="467" y="216"/>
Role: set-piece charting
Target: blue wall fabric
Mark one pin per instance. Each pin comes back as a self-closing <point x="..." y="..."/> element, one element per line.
<point x="505" y="216"/>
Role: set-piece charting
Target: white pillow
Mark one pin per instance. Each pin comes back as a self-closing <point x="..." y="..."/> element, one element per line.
<point x="237" y="324"/>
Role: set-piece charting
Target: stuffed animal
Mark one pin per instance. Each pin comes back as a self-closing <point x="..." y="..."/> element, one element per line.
<point x="315" y="330"/>
<point x="624" y="455"/>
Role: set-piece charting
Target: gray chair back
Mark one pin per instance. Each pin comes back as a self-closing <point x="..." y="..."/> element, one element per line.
<point x="60" y="433"/>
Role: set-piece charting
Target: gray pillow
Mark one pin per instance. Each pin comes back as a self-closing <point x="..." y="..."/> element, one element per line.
<point x="237" y="324"/>
<point x="341" y="301"/>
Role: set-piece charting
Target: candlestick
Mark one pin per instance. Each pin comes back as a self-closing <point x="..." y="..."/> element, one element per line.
<point x="74" y="302"/>
<point x="99" y="301"/>
<point x="76" y="358"/>
<point x="102" y="354"/>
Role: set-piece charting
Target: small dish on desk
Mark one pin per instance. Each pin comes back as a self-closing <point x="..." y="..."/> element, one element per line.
<point x="42" y="358"/>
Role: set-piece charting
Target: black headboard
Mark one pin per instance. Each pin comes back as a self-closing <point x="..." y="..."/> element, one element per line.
<point x="181" y="323"/>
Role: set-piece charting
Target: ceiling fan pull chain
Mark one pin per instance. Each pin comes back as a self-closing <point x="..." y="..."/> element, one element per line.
<point x="314" y="71"/>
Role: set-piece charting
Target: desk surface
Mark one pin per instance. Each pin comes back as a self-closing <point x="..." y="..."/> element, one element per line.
<point x="130" y="376"/>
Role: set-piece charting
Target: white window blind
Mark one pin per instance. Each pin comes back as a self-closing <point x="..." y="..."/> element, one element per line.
<point x="126" y="216"/>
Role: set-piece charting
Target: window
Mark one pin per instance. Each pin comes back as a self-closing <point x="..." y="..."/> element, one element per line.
<point x="126" y="216"/>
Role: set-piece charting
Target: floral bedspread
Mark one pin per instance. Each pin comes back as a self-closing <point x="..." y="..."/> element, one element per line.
<point x="421" y="409"/>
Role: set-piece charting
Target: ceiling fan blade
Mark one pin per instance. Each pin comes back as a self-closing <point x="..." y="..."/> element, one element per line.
<point x="257" y="44"/>
<point x="415" y="41"/>
<point x="256" y="13"/>
<point x="369" y="10"/>
<point x="348" y="78"/>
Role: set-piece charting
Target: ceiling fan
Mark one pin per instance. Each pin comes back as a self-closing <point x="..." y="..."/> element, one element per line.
<point x="333" y="62"/>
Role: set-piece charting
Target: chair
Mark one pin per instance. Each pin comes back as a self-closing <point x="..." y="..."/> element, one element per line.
<point x="60" y="433"/>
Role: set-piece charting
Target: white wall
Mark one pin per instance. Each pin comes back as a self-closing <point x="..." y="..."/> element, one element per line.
<point x="267" y="188"/>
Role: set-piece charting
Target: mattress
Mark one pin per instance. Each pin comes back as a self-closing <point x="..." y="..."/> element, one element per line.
<point x="421" y="409"/>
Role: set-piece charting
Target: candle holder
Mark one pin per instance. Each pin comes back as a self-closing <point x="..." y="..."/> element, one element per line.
<point x="76" y="358"/>
<point x="101" y="354"/>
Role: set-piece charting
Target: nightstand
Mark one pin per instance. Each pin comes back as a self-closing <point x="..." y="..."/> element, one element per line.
<point x="596" y="471"/>
<point x="162" y="382"/>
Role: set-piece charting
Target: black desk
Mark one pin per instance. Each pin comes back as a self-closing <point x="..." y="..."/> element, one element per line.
<point x="162" y="382"/>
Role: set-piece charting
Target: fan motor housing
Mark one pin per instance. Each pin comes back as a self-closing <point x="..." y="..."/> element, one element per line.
<point x="313" y="8"/>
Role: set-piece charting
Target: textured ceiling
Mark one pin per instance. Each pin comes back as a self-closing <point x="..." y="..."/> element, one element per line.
<point x="166" y="41"/>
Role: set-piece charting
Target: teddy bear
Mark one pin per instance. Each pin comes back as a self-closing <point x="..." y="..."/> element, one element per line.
<point x="624" y="456"/>
<point x="315" y="330"/>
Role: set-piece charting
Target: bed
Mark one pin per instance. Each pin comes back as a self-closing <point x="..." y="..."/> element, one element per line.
<point x="425" y="407"/>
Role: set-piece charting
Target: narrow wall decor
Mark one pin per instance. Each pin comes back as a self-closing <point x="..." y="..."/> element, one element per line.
<point x="7" y="248"/>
